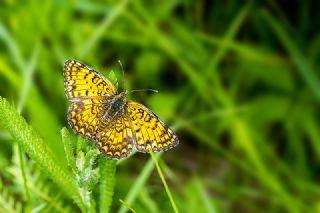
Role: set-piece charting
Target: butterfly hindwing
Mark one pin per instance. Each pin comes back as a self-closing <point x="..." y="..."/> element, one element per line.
<point x="149" y="130"/>
<point x="116" y="141"/>
<point x="84" y="116"/>
<point x="80" y="81"/>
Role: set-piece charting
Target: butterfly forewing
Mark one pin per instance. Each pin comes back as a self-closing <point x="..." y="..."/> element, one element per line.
<point x="149" y="130"/>
<point x="81" y="81"/>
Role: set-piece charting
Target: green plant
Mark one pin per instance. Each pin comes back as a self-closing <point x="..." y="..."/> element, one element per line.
<point x="237" y="81"/>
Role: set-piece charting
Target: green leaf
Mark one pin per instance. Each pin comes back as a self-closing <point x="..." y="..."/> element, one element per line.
<point x="107" y="182"/>
<point x="36" y="148"/>
<point x="113" y="78"/>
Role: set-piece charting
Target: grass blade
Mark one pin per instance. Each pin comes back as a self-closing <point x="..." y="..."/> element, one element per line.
<point x="164" y="182"/>
<point x="133" y="192"/>
<point x="107" y="22"/>
<point x="303" y="66"/>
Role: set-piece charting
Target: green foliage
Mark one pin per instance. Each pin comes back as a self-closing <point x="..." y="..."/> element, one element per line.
<point x="139" y="184"/>
<point x="32" y="143"/>
<point x="7" y="201"/>
<point x="88" y="166"/>
<point x="237" y="81"/>
<point x="107" y="182"/>
<point x="113" y="78"/>
<point x="164" y="182"/>
<point x="44" y="196"/>
<point x="85" y="174"/>
<point x="35" y="146"/>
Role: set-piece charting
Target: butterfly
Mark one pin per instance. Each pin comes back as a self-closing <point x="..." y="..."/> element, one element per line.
<point x="116" y="125"/>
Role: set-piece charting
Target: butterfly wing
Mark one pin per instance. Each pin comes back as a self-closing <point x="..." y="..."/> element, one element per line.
<point x="116" y="140"/>
<point x="149" y="130"/>
<point x="80" y="81"/>
<point x="84" y="116"/>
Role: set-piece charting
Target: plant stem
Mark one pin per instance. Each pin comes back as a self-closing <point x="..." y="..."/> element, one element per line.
<point x="164" y="182"/>
<point x="107" y="182"/>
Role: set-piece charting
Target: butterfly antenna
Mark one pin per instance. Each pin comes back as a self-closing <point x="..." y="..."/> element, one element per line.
<point x="123" y="78"/>
<point x="142" y="90"/>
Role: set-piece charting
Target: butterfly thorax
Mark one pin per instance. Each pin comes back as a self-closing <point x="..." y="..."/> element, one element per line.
<point x="114" y="107"/>
<point x="119" y="100"/>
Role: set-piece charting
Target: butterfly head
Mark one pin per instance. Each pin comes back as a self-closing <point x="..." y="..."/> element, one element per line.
<point x="123" y="95"/>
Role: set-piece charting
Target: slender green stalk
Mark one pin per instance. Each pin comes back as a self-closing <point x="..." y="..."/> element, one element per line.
<point x="107" y="182"/>
<point x="211" y="71"/>
<point x="126" y="205"/>
<point x="24" y="177"/>
<point x="244" y="50"/>
<point x="232" y="31"/>
<point x="164" y="182"/>
<point x="23" y="95"/>
<point x="27" y="80"/>
<point x="303" y="66"/>
<point x="107" y="22"/>
<point x="13" y="48"/>
<point x="205" y="197"/>
<point x="134" y="191"/>
<point x="164" y="43"/>
<point x="148" y="201"/>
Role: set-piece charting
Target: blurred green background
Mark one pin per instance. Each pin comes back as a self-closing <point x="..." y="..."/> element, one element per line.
<point x="237" y="80"/>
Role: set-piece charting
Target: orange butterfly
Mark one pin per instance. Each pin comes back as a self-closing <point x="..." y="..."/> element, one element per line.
<point x="117" y="125"/>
